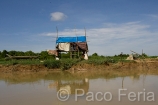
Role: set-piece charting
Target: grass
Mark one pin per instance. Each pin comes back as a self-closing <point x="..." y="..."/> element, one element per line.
<point x="153" y="56"/>
<point x="23" y="62"/>
<point x="65" y="63"/>
<point x="99" y="60"/>
<point x="52" y="64"/>
<point x="62" y="64"/>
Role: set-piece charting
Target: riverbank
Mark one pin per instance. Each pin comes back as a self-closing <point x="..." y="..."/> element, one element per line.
<point x="147" y="64"/>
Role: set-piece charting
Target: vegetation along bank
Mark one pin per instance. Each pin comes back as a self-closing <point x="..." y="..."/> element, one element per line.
<point x="47" y="63"/>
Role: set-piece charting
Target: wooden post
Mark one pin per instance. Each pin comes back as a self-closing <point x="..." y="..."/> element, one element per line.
<point x="121" y="57"/>
<point x="71" y="54"/>
<point x="56" y="37"/>
<point x="78" y="53"/>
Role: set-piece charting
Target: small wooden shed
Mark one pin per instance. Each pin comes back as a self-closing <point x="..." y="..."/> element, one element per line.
<point x="76" y="45"/>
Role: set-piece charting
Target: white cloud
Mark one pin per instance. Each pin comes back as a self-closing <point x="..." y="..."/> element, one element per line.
<point x="153" y="16"/>
<point x="117" y="38"/>
<point x="58" y="16"/>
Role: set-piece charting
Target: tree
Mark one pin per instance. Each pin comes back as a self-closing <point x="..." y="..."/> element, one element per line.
<point x="0" y="54"/>
<point x="95" y="54"/>
<point x="144" y="55"/>
<point x="44" y="55"/>
<point x="3" y="54"/>
<point x="29" y="53"/>
<point x="20" y="53"/>
<point x="12" y="53"/>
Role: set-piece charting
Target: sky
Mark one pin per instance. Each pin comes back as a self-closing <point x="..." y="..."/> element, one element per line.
<point x="112" y="26"/>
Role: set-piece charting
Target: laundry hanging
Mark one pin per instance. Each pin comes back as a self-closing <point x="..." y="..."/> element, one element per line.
<point x="64" y="46"/>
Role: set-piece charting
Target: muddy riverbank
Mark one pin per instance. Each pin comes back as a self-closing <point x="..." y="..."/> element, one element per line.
<point x="133" y="65"/>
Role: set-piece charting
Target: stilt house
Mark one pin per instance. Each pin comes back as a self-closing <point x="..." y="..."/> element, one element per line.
<point x="76" y="45"/>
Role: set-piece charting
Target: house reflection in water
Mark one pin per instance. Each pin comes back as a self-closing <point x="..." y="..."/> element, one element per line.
<point x="71" y="86"/>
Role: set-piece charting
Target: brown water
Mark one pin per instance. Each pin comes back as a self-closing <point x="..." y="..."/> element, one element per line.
<point x="42" y="88"/>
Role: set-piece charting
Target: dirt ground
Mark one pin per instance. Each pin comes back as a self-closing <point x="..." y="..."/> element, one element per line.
<point x="147" y="64"/>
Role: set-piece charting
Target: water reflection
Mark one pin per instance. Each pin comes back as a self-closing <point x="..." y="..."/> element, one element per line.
<point x="41" y="88"/>
<point x="71" y="86"/>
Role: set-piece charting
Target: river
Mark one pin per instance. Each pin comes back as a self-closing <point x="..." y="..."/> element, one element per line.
<point x="64" y="88"/>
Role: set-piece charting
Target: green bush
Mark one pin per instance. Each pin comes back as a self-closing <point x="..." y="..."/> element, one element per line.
<point x="68" y="63"/>
<point x="63" y="64"/>
<point x="52" y="64"/>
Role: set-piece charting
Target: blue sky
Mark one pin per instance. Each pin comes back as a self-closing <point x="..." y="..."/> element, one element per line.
<point x="113" y="26"/>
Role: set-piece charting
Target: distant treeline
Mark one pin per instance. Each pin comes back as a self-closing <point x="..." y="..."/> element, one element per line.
<point x="119" y="55"/>
<point x="45" y="55"/>
<point x="42" y="54"/>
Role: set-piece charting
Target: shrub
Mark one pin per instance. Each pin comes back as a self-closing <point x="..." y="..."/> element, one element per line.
<point x="68" y="63"/>
<point x="52" y="64"/>
<point x="14" y="62"/>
